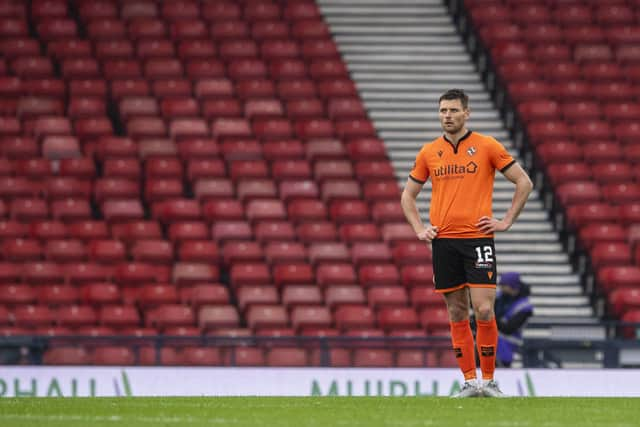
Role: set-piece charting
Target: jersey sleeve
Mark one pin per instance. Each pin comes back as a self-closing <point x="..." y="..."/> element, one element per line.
<point x="420" y="172"/>
<point x="500" y="157"/>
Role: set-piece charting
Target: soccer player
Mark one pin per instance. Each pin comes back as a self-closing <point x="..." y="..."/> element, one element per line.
<point x="462" y="166"/>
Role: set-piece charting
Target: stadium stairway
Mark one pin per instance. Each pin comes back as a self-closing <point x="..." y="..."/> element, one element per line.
<point x="402" y="58"/>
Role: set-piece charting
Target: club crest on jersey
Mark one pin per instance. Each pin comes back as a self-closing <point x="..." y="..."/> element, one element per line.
<point x="471" y="151"/>
<point x="440" y="153"/>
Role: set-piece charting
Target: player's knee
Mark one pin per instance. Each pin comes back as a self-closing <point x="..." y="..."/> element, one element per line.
<point x="484" y="311"/>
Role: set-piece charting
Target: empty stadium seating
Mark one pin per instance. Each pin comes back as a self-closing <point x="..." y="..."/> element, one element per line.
<point x="566" y="66"/>
<point x="201" y="168"/>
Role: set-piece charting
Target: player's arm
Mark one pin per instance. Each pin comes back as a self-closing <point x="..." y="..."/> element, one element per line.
<point x="410" y="209"/>
<point x="519" y="177"/>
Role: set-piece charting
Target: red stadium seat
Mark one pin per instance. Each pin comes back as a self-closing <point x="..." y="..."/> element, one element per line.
<point x="296" y="295"/>
<point x="293" y="273"/>
<point x="435" y="320"/>
<point x="623" y="300"/>
<point x="614" y="277"/>
<point x="153" y="295"/>
<point x="581" y="214"/>
<point x="170" y="315"/>
<point x="152" y="251"/>
<point x="60" y="296"/>
<point x="66" y="356"/>
<point x="353" y="316"/>
<point x="610" y="254"/>
<point x="282" y="356"/>
<point x="390" y="318"/>
<point x="245" y="356"/>
<point x="256" y="295"/>
<point x="191" y="273"/>
<point x="76" y="315"/>
<point x="370" y="252"/>
<point x="306" y="210"/>
<point x="284" y="252"/>
<point x="619" y="193"/>
<point x="167" y="356"/>
<point x="205" y="294"/>
<point x="211" y="317"/>
<point x="425" y="296"/>
<point x="65" y="251"/>
<point x="416" y="275"/>
<point x="329" y="274"/>
<point x="204" y="251"/>
<point x="579" y="192"/>
<point x="113" y="355"/>
<point x="87" y="272"/>
<point x="337" y="295"/>
<point x="300" y="189"/>
<point x="378" y="358"/>
<point x="406" y="253"/>
<point x="612" y="173"/>
<point x="312" y="316"/>
<point x="380" y="274"/>
<point x="201" y="356"/>
<point x="384" y="296"/>
<point x="100" y="294"/>
<point x="17" y="294"/>
<point x="559" y="173"/>
<point x="267" y="316"/>
<point x="245" y="273"/>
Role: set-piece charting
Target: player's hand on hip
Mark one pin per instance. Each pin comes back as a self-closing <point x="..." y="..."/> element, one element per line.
<point x="428" y="234"/>
<point x="491" y="225"/>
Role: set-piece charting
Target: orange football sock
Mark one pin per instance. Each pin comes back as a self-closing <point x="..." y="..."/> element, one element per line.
<point x="462" y="340"/>
<point x="487" y="338"/>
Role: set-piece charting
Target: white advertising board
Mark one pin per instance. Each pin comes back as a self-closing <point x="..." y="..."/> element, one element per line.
<point x="150" y="381"/>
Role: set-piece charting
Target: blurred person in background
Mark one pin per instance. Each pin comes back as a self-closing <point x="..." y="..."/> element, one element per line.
<point x="512" y="309"/>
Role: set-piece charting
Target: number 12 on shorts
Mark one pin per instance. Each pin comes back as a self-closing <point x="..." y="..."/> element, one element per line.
<point x="485" y="254"/>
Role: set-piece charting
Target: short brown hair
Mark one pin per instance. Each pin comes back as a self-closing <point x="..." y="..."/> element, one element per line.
<point x="452" y="94"/>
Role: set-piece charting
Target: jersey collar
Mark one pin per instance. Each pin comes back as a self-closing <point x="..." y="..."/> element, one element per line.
<point x="455" y="147"/>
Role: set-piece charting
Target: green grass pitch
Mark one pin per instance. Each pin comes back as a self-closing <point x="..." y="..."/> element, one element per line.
<point x="318" y="411"/>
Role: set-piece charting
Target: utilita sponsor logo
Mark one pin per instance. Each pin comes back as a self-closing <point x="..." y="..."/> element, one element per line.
<point x="452" y="170"/>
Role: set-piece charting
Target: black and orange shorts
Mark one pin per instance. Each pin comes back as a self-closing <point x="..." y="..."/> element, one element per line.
<point x="463" y="262"/>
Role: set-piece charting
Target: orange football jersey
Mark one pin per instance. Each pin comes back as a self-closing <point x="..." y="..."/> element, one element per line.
<point x="462" y="181"/>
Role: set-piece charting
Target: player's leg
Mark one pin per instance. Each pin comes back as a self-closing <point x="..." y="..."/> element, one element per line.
<point x="461" y="336"/>
<point x="480" y="266"/>
<point x="482" y="300"/>
<point x="450" y="281"/>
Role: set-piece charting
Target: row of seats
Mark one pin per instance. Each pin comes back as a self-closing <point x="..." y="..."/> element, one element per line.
<point x="151" y="50"/>
<point x="372" y="269"/>
<point x="165" y="169"/>
<point x="564" y="13"/>
<point x="151" y="128"/>
<point x="264" y="230"/>
<point x="99" y="295"/>
<point x="40" y="95"/>
<point x="583" y="37"/>
<point x="111" y="252"/>
<point x="250" y="356"/>
<point x="258" y="317"/>
<point x="311" y="229"/>
<point x="120" y="156"/>
<point x="179" y="11"/>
